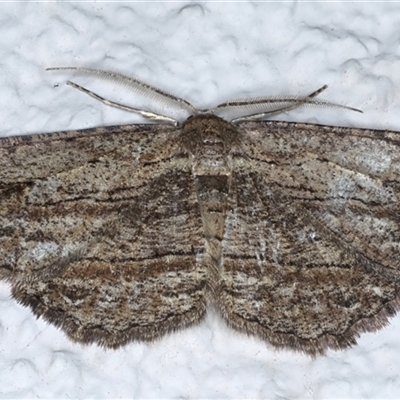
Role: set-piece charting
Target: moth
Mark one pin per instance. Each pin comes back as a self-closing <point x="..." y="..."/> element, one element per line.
<point x="288" y="231"/>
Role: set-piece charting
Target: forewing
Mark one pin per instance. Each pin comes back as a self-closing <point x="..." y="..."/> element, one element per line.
<point x="310" y="253"/>
<point x="350" y="179"/>
<point x="28" y="157"/>
<point x="110" y="249"/>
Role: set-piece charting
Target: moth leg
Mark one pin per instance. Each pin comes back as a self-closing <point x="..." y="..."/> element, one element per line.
<point x="146" y="114"/>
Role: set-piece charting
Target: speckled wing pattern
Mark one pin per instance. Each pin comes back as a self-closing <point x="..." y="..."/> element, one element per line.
<point x="312" y="239"/>
<point x="290" y="231"/>
<point x="101" y="233"/>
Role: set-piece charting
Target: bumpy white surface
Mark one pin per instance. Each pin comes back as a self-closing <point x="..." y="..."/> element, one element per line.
<point x="206" y="53"/>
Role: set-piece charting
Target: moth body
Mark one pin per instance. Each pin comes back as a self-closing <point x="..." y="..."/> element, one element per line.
<point x="210" y="140"/>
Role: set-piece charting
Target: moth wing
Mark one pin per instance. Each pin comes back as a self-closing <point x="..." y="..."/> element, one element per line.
<point x="39" y="156"/>
<point x="310" y="252"/>
<point x="109" y="250"/>
<point x="348" y="177"/>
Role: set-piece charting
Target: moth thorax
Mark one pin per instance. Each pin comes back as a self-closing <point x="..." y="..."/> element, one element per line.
<point x="209" y="140"/>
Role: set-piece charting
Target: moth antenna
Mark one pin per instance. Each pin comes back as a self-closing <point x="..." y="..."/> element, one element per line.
<point x="146" y="114"/>
<point x="261" y="107"/>
<point x="137" y="85"/>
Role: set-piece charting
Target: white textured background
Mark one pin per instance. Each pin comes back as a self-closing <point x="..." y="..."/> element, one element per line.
<point x="208" y="53"/>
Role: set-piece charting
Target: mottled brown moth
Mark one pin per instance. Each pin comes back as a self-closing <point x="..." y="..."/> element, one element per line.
<point x="288" y="231"/>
